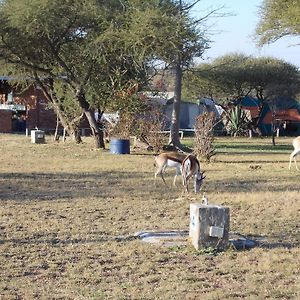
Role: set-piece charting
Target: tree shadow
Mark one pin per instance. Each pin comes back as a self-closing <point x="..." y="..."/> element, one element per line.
<point x="238" y="241"/>
<point x="52" y="186"/>
<point x="110" y="184"/>
<point x="252" y="161"/>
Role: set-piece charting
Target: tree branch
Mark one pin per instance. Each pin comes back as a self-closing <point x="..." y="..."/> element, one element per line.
<point x="18" y="59"/>
<point x="212" y="12"/>
<point x="188" y="7"/>
<point x="61" y="61"/>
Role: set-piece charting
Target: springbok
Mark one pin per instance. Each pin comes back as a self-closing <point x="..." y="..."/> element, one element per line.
<point x="191" y="167"/>
<point x="188" y="166"/>
<point x="171" y="160"/>
<point x="296" y="145"/>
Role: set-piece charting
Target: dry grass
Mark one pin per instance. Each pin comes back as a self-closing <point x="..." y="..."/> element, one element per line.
<point x="63" y="208"/>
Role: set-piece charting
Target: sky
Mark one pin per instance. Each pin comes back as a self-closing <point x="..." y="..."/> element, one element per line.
<point x="234" y="34"/>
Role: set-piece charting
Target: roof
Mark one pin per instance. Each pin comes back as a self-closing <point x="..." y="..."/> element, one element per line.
<point x="250" y="103"/>
<point x="159" y="97"/>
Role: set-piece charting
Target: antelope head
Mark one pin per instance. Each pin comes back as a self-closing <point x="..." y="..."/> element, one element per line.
<point x="199" y="177"/>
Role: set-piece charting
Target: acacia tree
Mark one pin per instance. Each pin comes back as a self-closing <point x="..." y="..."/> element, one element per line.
<point x="278" y="18"/>
<point x="225" y="77"/>
<point x="235" y="76"/>
<point x="81" y="44"/>
<point x="68" y="111"/>
<point x="272" y="78"/>
<point x="191" y="43"/>
<point x="179" y="40"/>
<point x="97" y="47"/>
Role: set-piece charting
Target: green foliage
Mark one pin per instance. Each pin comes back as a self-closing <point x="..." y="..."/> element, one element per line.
<point x="80" y="42"/>
<point x="278" y="18"/>
<point x="237" y="121"/>
<point x="166" y="32"/>
<point x="97" y="46"/>
<point x="270" y="77"/>
<point x="234" y="76"/>
<point x="208" y="251"/>
<point x="226" y="77"/>
<point x="65" y="101"/>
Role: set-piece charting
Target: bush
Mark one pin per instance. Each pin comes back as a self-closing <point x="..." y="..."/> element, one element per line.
<point x="145" y="126"/>
<point x="149" y="131"/>
<point x="204" y="136"/>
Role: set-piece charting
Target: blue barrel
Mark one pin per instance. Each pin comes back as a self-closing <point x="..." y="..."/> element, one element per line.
<point x="119" y="146"/>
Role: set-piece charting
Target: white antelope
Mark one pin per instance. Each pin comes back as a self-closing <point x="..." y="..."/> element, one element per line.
<point x="296" y="145"/>
<point x="191" y="168"/>
<point x="171" y="160"/>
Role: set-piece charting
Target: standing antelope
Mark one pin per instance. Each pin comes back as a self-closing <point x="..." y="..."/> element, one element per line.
<point x="191" y="167"/>
<point x="171" y="160"/>
<point x="296" y="145"/>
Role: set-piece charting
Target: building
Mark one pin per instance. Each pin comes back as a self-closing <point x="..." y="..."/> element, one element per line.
<point x="22" y="110"/>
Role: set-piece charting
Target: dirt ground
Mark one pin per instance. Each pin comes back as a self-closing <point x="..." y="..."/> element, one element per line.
<point x="68" y="214"/>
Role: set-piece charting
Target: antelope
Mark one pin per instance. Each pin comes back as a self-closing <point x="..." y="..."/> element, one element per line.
<point x="191" y="167"/>
<point x="171" y="160"/>
<point x="188" y="166"/>
<point x="296" y="145"/>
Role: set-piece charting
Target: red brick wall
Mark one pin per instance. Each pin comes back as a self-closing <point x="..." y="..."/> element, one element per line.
<point x="41" y="118"/>
<point x="38" y="113"/>
<point x="5" y="121"/>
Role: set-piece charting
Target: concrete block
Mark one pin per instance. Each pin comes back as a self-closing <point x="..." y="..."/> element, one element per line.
<point x="209" y="226"/>
<point x="37" y="136"/>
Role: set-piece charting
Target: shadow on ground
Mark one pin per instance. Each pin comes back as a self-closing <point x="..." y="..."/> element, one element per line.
<point x="52" y="186"/>
<point x="58" y="186"/>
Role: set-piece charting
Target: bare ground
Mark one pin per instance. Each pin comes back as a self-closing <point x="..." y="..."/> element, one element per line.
<point x="64" y="208"/>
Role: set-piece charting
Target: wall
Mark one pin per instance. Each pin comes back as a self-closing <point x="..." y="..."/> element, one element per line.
<point x="38" y="112"/>
<point x="5" y="121"/>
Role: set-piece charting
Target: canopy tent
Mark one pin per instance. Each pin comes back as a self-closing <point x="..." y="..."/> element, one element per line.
<point x="286" y="111"/>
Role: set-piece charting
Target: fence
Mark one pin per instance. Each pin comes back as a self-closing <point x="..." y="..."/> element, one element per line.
<point x="62" y="131"/>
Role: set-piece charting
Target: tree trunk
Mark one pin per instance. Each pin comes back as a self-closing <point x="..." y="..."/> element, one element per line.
<point x="273" y="128"/>
<point x="75" y="134"/>
<point x="174" y="130"/>
<point x="98" y="133"/>
<point x="56" y="134"/>
<point x="68" y="126"/>
<point x="64" y="135"/>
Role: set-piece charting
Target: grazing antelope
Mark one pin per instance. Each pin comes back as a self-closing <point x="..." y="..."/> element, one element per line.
<point x="191" y="167"/>
<point x="296" y="145"/>
<point x="171" y="160"/>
